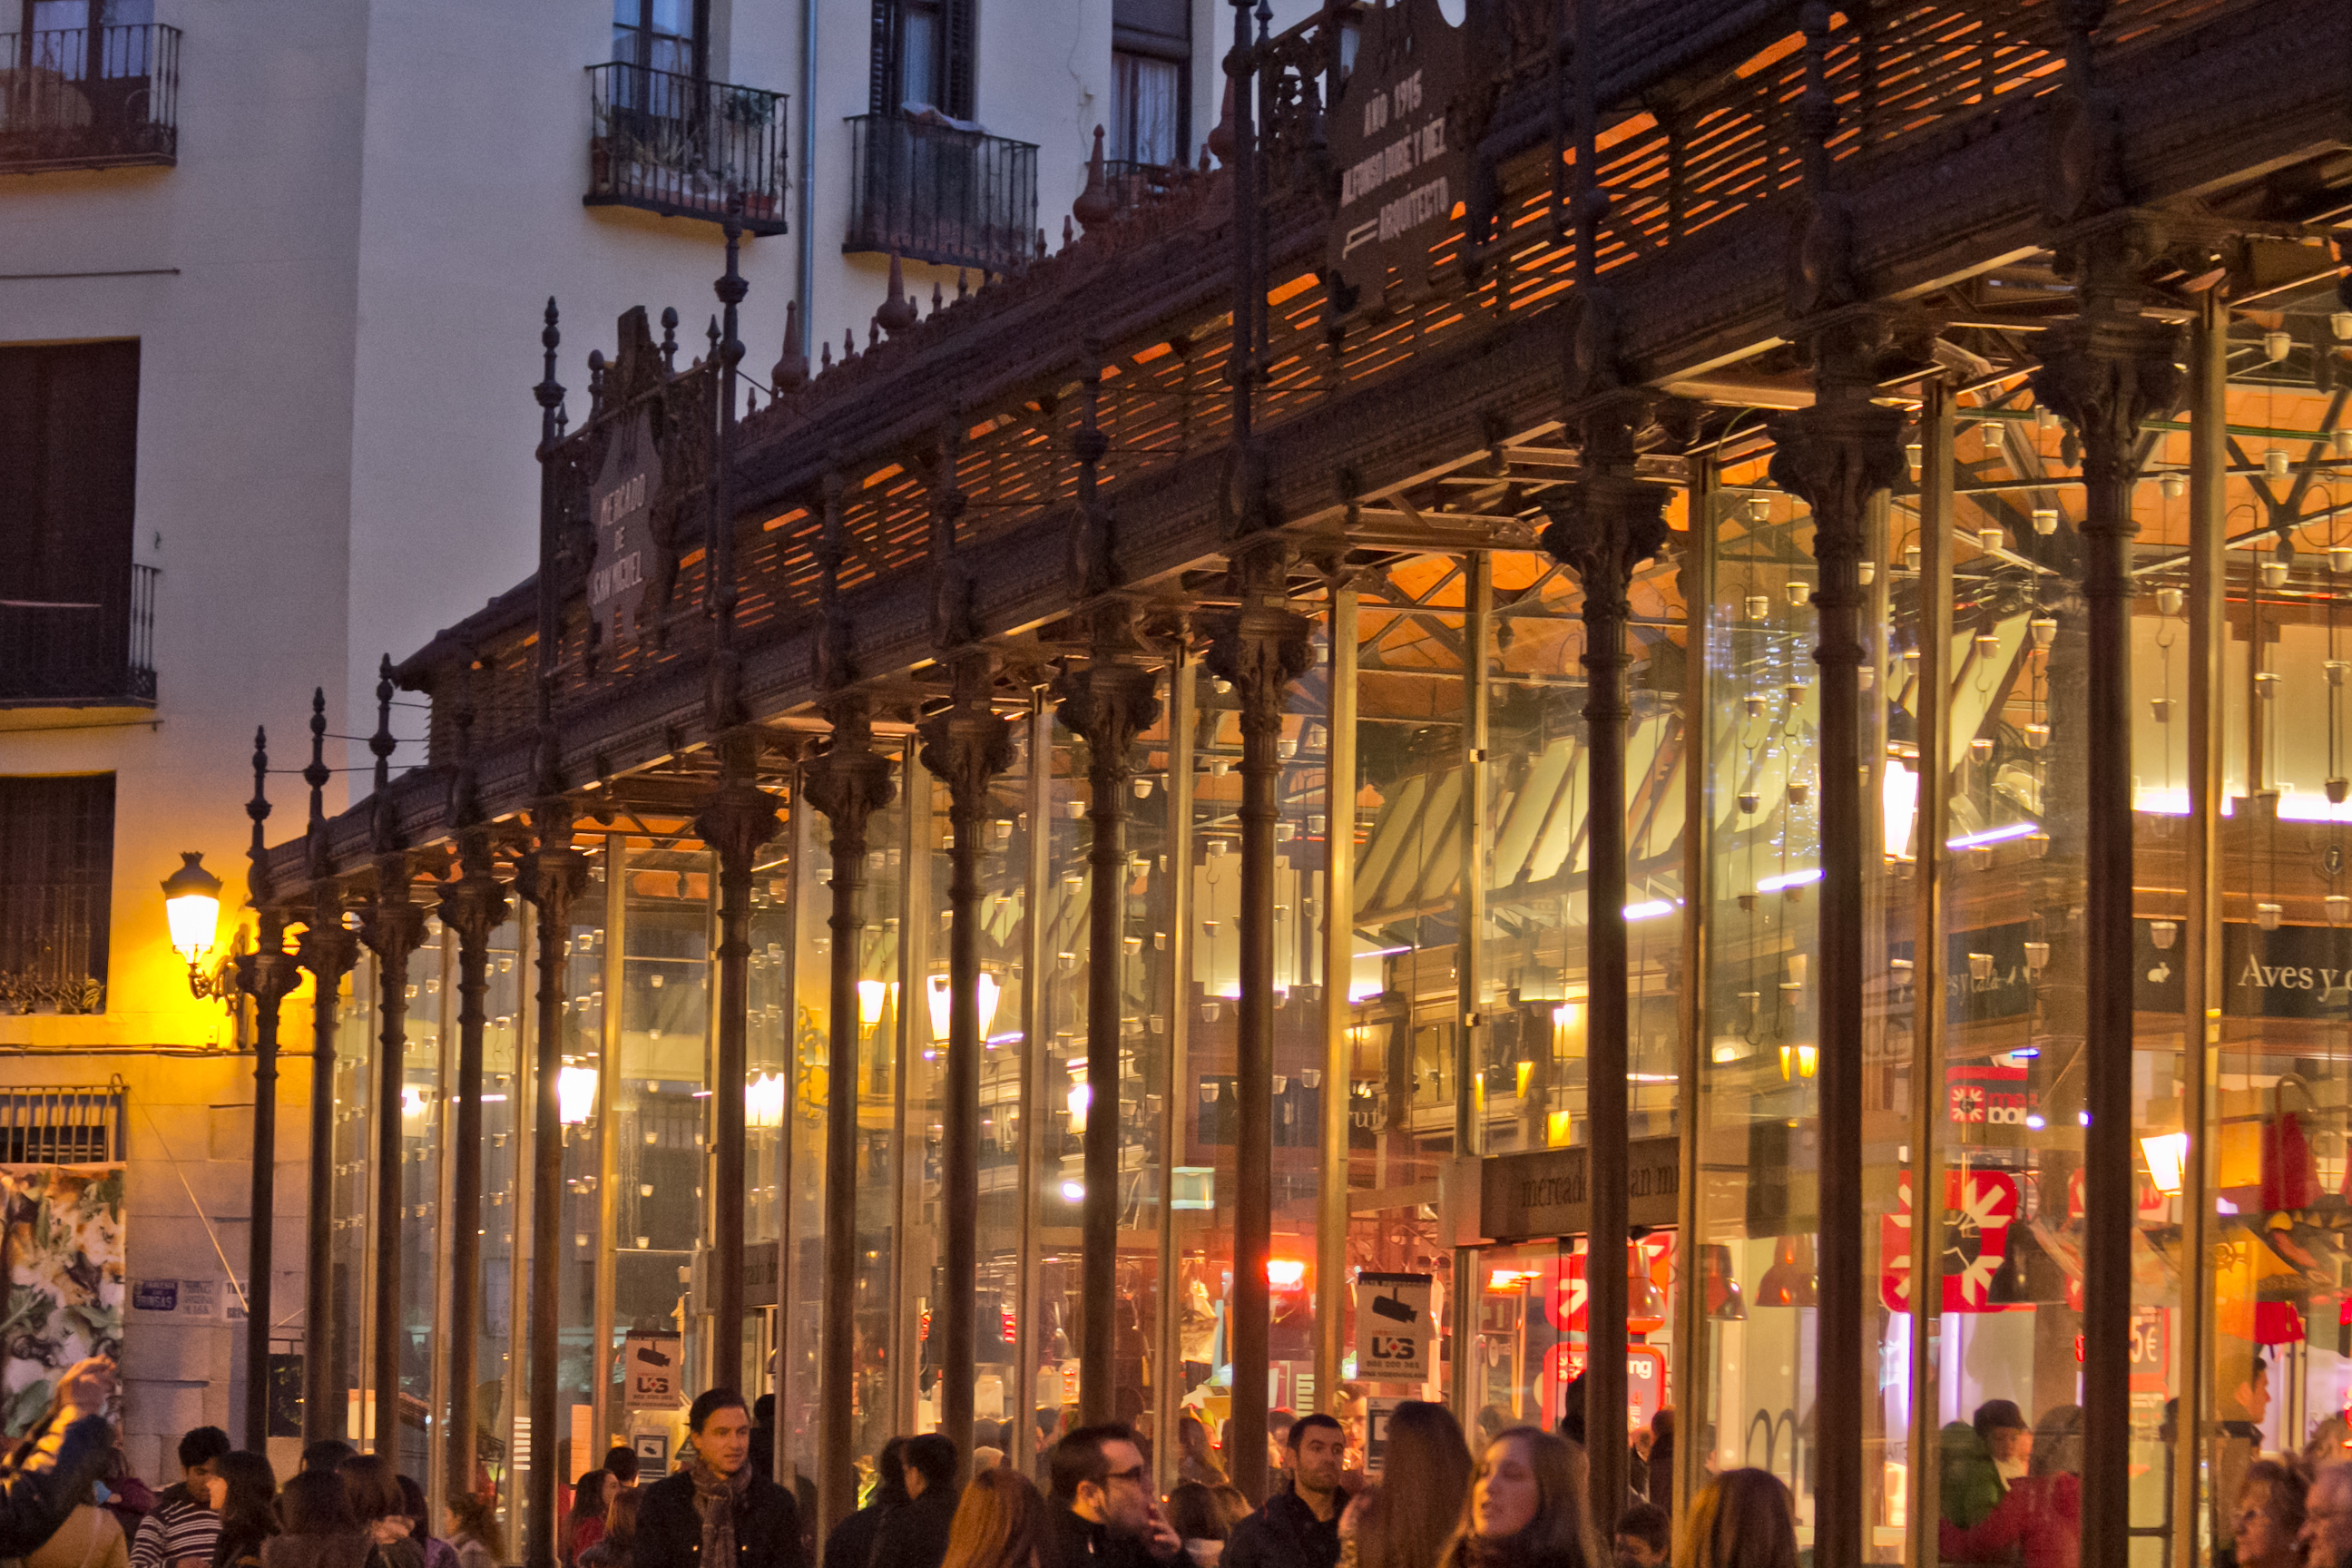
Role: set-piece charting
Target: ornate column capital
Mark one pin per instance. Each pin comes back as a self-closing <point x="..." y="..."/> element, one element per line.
<point x="738" y="816"/>
<point x="1607" y="523"/>
<point x="1111" y="698"/>
<point x="2105" y="373"/>
<point x="473" y="903"/>
<point x="849" y="781"/>
<point x="967" y="744"/>
<point x="553" y="873"/>
<point x="268" y="973"/>
<point x="396" y="926"/>
<point x="1265" y="645"/>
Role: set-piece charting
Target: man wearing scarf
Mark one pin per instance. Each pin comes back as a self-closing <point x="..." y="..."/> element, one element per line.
<point x="719" y="1511"/>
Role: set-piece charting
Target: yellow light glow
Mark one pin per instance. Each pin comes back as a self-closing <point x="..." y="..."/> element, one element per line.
<point x="941" y="999"/>
<point x="1527" y="1072"/>
<point x="575" y="1094"/>
<point x="191" y="906"/>
<point x="763" y="1102"/>
<point x="1558" y="1125"/>
<point x="2166" y="1154"/>
<point x="871" y="997"/>
<point x="1898" y="801"/>
<point x="1285" y="1273"/>
<point x="1080" y="1097"/>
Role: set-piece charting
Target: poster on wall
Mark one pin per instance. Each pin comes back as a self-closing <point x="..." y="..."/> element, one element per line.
<point x="650" y="1366"/>
<point x="1394" y="1329"/>
<point x="64" y="1229"/>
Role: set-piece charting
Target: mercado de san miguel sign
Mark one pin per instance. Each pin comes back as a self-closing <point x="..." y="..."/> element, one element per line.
<point x="620" y="504"/>
<point x="1402" y="153"/>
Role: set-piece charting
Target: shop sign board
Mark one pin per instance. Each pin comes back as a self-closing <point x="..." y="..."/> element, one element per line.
<point x="2292" y="971"/>
<point x="1978" y="1208"/>
<point x="651" y="1369"/>
<point x="620" y="505"/>
<point x="1543" y="1193"/>
<point x="1399" y="140"/>
<point x="1394" y="1328"/>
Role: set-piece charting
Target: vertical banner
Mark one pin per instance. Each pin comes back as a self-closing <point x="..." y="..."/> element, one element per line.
<point x="64" y="1240"/>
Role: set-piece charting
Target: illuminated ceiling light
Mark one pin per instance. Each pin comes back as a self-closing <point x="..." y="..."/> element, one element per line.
<point x="2173" y="483"/>
<point x="2277" y="345"/>
<point x="2045" y="520"/>
<point x="1980" y="965"/>
<point x="2045" y="631"/>
<point x="2037" y="736"/>
<point x="2267" y="916"/>
<point x="1757" y="606"/>
<point x="1799" y="592"/>
<point x="1991" y="540"/>
<point x="2275" y="462"/>
<point x="763" y="1102"/>
<point x="2166" y="1154"/>
<point x="2167" y="600"/>
<point x="575" y="1094"/>
<point x="191" y="907"/>
<point x="2162" y="932"/>
<point x="1866" y="572"/>
<point x="2037" y="958"/>
<point x="872" y="996"/>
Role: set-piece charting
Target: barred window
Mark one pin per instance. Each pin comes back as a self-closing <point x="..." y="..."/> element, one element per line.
<point x="67" y="1126"/>
<point x="57" y="875"/>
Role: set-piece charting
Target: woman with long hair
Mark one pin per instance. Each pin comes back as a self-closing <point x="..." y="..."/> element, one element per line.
<point x="320" y="1529"/>
<point x="584" y="1525"/>
<point x="1000" y="1522"/>
<point x="1409" y="1523"/>
<point x="245" y="1495"/>
<point x="1527" y="1505"/>
<point x="1194" y="1514"/>
<point x="373" y="1488"/>
<point x="1742" y="1519"/>
<point x="471" y="1524"/>
<point x="617" y="1548"/>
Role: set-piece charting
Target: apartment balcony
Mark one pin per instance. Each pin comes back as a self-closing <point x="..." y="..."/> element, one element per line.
<point x="939" y="193"/>
<point x="663" y="143"/>
<point x="90" y="98"/>
<point x="56" y="655"/>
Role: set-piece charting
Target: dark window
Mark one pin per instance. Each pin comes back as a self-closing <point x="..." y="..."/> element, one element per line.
<point x="69" y="464"/>
<point x="61" y="1126"/>
<point x="1151" y="53"/>
<point x="923" y="56"/>
<point x="57" y="875"/>
<point x="658" y="34"/>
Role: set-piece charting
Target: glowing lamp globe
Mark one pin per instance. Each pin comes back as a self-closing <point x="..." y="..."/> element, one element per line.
<point x="191" y="906"/>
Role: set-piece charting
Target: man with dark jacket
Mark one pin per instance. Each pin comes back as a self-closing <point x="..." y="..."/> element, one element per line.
<point x="54" y="1465"/>
<point x="718" y="1512"/>
<point x="1102" y="1513"/>
<point x="850" y="1545"/>
<point x="915" y="1536"/>
<point x="1300" y="1525"/>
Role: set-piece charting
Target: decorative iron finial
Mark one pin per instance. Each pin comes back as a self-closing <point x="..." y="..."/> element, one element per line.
<point x="316" y="775"/>
<point x="872" y="333"/>
<point x="938" y="301"/>
<point x="963" y="290"/>
<point x="824" y="359"/>
<point x="897" y="311"/>
<point x="848" y="344"/>
<point x="1067" y="233"/>
<point x="381" y="743"/>
<point x="1094" y="206"/>
<point x="790" y="372"/>
<point x="259" y="889"/>
<point x="1221" y="139"/>
<point x="711" y="335"/>
<point x="563" y="419"/>
<point x="595" y="382"/>
<point x="670" y="339"/>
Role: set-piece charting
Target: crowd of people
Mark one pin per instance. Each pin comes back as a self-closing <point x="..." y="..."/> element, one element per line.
<point x="1514" y="1500"/>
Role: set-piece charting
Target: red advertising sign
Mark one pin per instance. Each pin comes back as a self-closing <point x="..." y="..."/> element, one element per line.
<point x="1978" y="1208"/>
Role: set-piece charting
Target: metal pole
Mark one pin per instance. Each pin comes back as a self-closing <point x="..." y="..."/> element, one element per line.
<point x="1177" y="1086"/>
<point x="966" y="745"/>
<point x="1691" y="1393"/>
<point x="473" y="906"/>
<point x="1111" y="701"/>
<point x="555" y="875"/>
<point x="1264" y="650"/>
<point x="393" y="932"/>
<point x="1609" y="523"/>
<point x="1339" y="964"/>
<point x="2209" y="466"/>
<point x="847" y="783"/>
<point x="1931" y="706"/>
<point x="2107" y="371"/>
<point x="1035" y="1028"/>
<point x="265" y="975"/>
<point x="327" y="951"/>
<point x="910" y="1237"/>
<point x="609" y="1068"/>
<point x="1469" y="963"/>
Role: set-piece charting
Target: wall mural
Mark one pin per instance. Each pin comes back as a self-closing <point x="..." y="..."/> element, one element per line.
<point x="64" y="1253"/>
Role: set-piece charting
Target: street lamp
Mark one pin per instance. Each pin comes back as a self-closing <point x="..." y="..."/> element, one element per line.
<point x="191" y="908"/>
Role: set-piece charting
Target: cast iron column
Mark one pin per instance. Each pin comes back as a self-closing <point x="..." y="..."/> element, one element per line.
<point x="1607" y="525"/>
<point x="552" y="875"/>
<point x="848" y="784"/>
<point x="473" y="905"/>
<point x="1261" y="651"/>
<point x="267" y="974"/>
<point x="327" y="951"/>
<point x="737" y="818"/>
<point x="966" y="747"/>
<point x="1838" y="455"/>
<point x="2105" y="372"/>
<point x="1108" y="702"/>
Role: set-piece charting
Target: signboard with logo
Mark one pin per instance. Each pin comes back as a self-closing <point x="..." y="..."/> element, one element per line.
<point x="653" y="1371"/>
<point x="1543" y="1193"/>
<point x="1398" y="140"/>
<point x="1394" y="1329"/>
<point x="1978" y="1208"/>
<point x="620" y="505"/>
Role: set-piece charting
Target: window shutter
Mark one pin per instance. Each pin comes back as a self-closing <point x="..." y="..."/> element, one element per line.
<point x="882" y="90"/>
<point x="962" y="31"/>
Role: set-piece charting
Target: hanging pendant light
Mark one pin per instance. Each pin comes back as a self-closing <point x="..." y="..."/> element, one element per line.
<point x="2173" y="483"/>
<point x="2162" y="932"/>
<point x="2045" y="631"/>
<point x="2267" y="915"/>
<point x="2168" y="601"/>
<point x="1788" y="1282"/>
<point x="1758" y="606"/>
<point x="2045" y="520"/>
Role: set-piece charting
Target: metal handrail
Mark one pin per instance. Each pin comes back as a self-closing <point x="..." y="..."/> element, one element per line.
<point x="681" y="146"/>
<point x="56" y="652"/>
<point x="81" y="98"/>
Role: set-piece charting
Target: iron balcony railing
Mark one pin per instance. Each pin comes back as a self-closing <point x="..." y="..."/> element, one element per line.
<point x="937" y="193"/>
<point x="81" y="652"/>
<point x="679" y="145"/>
<point x="88" y="98"/>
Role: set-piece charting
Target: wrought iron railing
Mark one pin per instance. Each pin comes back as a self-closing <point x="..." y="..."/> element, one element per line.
<point x="56" y="652"/>
<point x="1130" y="184"/>
<point x="937" y="193"/>
<point x="87" y="98"/>
<point x="679" y="145"/>
<point x="78" y="1125"/>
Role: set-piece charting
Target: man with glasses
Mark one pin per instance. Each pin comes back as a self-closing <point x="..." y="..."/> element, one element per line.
<point x="1104" y="1514"/>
